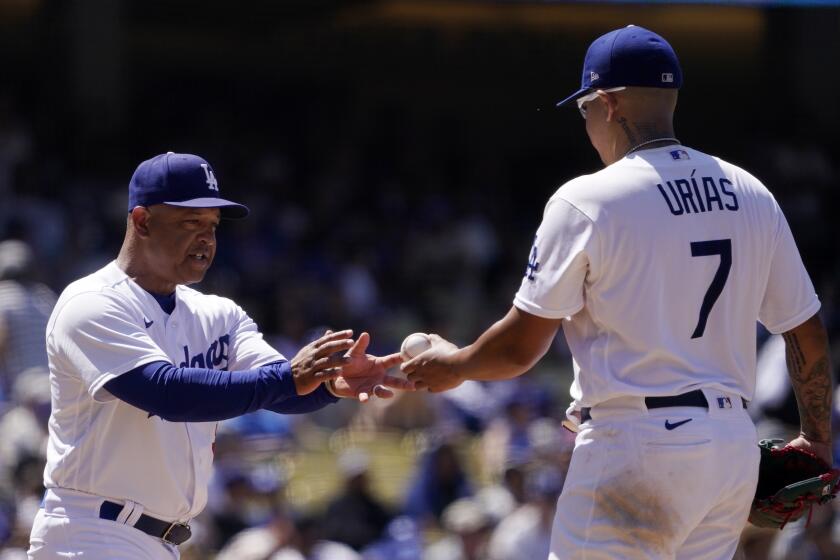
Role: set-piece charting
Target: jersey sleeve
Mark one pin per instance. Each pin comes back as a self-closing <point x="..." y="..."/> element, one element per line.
<point x="96" y="336"/>
<point x="789" y="298"/>
<point x="248" y="348"/>
<point x="564" y="247"/>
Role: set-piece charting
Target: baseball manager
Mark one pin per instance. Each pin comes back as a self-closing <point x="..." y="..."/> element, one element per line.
<point x="142" y="369"/>
<point x="657" y="267"/>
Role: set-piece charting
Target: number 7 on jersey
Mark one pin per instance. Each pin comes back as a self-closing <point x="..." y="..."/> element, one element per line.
<point x="722" y="247"/>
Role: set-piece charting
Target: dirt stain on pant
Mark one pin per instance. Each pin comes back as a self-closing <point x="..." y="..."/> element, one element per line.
<point x="633" y="513"/>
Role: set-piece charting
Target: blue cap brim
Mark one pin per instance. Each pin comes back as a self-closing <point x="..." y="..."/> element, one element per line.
<point x="229" y="209"/>
<point x="579" y="93"/>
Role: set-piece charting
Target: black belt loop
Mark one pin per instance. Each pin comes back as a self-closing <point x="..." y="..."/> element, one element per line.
<point x="172" y="533"/>
<point x="692" y="398"/>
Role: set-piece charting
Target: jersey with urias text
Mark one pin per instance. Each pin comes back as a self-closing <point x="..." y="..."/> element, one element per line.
<point x="661" y="263"/>
<point x="105" y="325"/>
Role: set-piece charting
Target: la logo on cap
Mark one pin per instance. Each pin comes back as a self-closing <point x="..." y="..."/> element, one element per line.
<point x="212" y="184"/>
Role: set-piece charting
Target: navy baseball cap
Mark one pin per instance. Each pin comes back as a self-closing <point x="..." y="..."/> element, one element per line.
<point x="630" y="56"/>
<point x="179" y="180"/>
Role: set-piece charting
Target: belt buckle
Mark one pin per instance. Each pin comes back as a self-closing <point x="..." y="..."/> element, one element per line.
<point x="165" y="536"/>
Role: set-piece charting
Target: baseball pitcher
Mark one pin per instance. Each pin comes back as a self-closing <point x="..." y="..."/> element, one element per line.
<point x="657" y="268"/>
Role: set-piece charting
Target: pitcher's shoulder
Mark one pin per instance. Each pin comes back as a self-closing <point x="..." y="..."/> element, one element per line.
<point x="582" y="187"/>
<point x="735" y="170"/>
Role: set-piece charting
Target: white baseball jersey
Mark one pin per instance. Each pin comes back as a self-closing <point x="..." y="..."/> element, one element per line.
<point x="105" y="325"/>
<point x="661" y="264"/>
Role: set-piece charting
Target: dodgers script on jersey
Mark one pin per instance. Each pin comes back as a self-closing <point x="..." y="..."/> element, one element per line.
<point x="661" y="263"/>
<point x="104" y="325"/>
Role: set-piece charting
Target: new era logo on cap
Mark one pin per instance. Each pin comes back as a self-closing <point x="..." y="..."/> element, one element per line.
<point x="593" y="76"/>
<point x="667" y="78"/>
<point x="184" y="180"/>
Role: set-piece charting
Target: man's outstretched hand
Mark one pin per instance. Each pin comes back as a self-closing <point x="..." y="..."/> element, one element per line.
<point x="363" y="375"/>
<point x="321" y="360"/>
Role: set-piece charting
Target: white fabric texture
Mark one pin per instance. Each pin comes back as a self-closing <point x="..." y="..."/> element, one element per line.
<point x="68" y="526"/>
<point x="105" y="325"/>
<point x="636" y="490"/>
<point x="628" y="256"/>
<point x="660" y="265"/>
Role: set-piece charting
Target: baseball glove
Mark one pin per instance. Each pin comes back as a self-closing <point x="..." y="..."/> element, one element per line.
<point x="790" y="482"/>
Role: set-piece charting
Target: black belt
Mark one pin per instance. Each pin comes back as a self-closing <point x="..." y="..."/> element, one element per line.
<point x="692" y="398"/>
<point x="172" y="533"/>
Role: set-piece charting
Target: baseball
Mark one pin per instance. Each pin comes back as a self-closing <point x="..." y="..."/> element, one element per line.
<point x="414" y="345"/>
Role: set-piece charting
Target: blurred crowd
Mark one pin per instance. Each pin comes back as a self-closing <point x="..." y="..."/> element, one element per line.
<point x="388" y="233"/>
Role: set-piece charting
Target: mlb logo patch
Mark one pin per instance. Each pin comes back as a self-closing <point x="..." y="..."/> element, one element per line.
<point x="679" y="154"/>
<point x="667" y="78"/>
<point x="593" y="76"/>
<point x="724" y="402"/>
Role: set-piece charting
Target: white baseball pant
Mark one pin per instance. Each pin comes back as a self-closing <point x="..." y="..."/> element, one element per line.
<point x="68" y="526"/>
<point x="639" y="490"/>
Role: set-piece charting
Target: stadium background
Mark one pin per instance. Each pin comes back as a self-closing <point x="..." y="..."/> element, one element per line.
<point x="396" y="156"/>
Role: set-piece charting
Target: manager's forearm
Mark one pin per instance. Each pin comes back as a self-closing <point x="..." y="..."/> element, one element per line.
<point x="206" y="395"/>
<point x="316" y="400"/>
<point x="809" y="367"/>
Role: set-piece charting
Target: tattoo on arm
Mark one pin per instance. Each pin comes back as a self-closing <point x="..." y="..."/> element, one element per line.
<point x="812" y="385"/>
